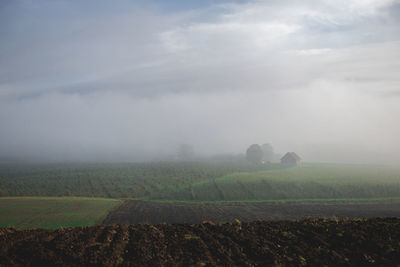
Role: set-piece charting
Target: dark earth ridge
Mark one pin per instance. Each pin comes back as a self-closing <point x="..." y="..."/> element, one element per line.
<point x="311" y="242"/>
<point x="136" y="211"/>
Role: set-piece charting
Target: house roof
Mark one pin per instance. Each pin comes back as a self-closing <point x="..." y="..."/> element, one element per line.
<point x="291" y="155"/>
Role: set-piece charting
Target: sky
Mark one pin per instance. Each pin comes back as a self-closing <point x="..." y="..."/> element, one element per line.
<point x="132" y="80"/>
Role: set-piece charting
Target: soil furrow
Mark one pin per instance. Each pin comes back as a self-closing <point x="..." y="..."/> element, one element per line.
<point x="311" y="242"/>
<point x="136" y="211"/>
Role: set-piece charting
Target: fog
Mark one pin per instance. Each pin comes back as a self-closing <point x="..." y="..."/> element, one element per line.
<point x="131" y="81"/>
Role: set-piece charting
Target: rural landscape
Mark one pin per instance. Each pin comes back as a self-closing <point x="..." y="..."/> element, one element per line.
<point x="53" y="196"/>
<point x="199" y="133"/>
<point x="199" y="214"/>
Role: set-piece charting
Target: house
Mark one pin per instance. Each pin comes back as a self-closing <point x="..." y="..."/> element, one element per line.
<point x="290" y="158"/>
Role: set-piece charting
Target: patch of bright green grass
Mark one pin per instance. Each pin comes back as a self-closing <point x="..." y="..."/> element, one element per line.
<point x="53" y="212"/>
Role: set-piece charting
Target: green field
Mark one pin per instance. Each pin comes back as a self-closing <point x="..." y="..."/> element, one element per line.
<point x="191" y="181"/>
<point x="52" y="212"/>
<point x="126" y="180"/>
<point x="308" y="181"/>
<point x="177" y="182"/>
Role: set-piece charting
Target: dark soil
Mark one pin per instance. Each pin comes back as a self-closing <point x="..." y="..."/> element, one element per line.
<point x="312" y="242"/>
<point x="133" y="211"/>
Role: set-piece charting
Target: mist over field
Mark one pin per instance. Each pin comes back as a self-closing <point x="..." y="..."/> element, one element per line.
<point x="101" y="81"/>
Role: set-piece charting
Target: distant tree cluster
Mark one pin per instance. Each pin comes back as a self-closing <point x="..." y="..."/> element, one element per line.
<point x="260" y="154"/>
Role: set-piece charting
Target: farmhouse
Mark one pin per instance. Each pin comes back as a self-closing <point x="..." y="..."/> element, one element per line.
<point x="290" y="158"/>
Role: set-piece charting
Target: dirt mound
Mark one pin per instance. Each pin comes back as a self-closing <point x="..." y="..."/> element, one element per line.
<point x="315" y="242"/>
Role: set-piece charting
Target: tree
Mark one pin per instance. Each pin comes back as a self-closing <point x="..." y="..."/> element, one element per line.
<point x="254" y="154"/>
<point x="268" y="152"/>
<point x="185" y="152"/>
<point x="3" y="193"/>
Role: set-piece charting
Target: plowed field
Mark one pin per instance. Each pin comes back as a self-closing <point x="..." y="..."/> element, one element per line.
<point x="311" y="242"/>
<point x="135" y="211"/>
